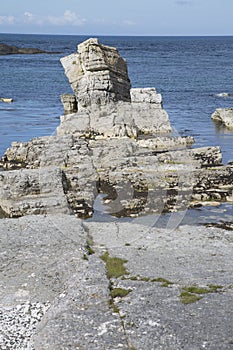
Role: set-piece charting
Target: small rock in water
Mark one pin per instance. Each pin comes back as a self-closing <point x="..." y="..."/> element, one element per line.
<point x="222" y="94"/>
<point x="6" y="100"/>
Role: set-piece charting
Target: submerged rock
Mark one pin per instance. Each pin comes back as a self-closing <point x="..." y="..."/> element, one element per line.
<point x="6" y="100"/>
<point x="224" y="116"/>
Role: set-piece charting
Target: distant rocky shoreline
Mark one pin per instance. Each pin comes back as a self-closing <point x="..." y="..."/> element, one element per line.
<point x="13" y="50"/>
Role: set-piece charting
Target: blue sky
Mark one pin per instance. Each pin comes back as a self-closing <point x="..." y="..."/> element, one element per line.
<point x="120" y="17"/>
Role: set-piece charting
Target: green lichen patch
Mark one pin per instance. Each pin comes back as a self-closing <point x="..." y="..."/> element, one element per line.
<point x="189" y="298"/>
<point x="89" y="248"/>
<point x="214" y="288"/>
<point x="196" y="290"/>
<point x="114" y="266"/>
<point x="119" y="292"/>
<point x="194" y="293"/>
<point x="114" y="307"/>
<point x="164" y="281"/>
<point x="201" y="290"/>
<point x="85" y="257"/>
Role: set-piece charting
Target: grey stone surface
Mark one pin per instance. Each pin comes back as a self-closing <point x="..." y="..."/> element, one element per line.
<point x="153" y="315"/>
<point x="33" y="191"/>
<point x="55" y="295"/>
<point x="224" y="116"/>
<point x="83" y="319"/>
<point x="38" y="255"/>
<point x="159" y="173"/>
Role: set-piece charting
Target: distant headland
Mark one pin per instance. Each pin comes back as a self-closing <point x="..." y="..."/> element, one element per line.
<point x="11" y="50"/>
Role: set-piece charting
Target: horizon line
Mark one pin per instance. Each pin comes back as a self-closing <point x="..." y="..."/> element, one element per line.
<point x="124" y="35"/>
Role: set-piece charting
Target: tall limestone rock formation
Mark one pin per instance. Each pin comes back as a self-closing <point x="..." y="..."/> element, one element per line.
<point x="106" y="105"/>
<point x="97" y="74"/>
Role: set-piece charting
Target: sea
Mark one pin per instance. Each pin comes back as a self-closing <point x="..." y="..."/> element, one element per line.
<point x="192" y="74"/>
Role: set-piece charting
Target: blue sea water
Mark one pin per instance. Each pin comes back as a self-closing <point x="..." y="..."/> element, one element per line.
<point x="186" y="70"/>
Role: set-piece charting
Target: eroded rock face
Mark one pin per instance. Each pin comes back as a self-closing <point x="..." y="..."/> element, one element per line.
<point x="106" y="105"/>
<point x="224" y="116"/>
<point x="33" y="191"/>
<point x="97" y="74"/>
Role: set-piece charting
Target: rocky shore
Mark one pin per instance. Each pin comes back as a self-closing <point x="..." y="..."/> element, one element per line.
<point x="13" y="50"/>
<point x="74" y="284"/>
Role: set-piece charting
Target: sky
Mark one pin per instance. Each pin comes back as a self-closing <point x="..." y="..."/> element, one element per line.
<point x="120" y="17"/>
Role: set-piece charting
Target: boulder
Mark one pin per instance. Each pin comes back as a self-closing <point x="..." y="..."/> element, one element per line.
<point x="224" y="116"/>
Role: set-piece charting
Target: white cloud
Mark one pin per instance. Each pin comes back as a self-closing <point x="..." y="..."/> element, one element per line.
<point x="68" y="18"/>
<point x="7" y="19"/>
<point x="30" y="18"/>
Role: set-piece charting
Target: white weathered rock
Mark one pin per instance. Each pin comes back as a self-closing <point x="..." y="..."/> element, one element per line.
<point x="106" y="104"/>
<point x="6" y="100"/>
<point x="97" y="74"/>
<point x="224" y="116"/>
<point x="148" y="95"/>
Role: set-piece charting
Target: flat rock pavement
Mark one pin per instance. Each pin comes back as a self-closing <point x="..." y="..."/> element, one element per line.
<point x="167" y="289"/>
